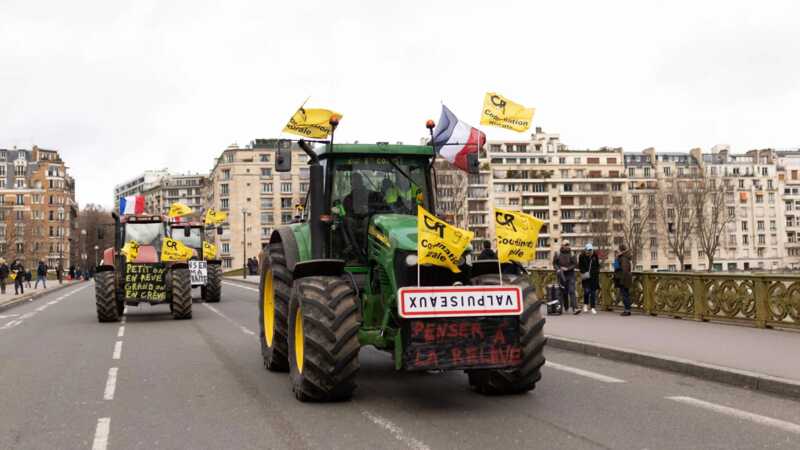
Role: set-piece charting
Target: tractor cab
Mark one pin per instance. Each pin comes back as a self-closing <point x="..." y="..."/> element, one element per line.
<point x="190" y="234"/>
<point x="205" y="269"/>
<point x="147" y="231"/>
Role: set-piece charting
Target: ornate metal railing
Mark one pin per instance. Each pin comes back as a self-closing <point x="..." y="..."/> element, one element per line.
<point x="762" y="300"/>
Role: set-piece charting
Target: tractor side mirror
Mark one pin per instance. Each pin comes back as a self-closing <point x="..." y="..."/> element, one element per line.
<point x="473" y="164"/>
<point x="187" y="232"/>
<point x="219" y="230"/>
<point x="283" y="156"/>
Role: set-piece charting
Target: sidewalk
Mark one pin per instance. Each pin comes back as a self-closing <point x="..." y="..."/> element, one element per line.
<point x="251" y="279"/>
<point x="731" y="354"/>
<point x="9" y="299"/>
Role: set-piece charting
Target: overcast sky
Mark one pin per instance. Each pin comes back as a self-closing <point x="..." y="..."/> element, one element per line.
<point x="119" y="89"/>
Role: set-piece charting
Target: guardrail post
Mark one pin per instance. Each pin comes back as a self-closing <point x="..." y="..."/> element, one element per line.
<point x="699" y="295"/>
<point x="762" y="301"/>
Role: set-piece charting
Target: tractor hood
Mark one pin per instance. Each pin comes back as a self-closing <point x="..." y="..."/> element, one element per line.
<point x="399" y="229"/>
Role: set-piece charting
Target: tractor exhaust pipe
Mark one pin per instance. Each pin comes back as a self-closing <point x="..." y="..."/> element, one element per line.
<point x="316" y="196"/>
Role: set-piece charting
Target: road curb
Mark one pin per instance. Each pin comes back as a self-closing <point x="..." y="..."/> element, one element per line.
<point x="240" y="281"/>
<point x="720" y="374"/>
<point x="33" y="296"/>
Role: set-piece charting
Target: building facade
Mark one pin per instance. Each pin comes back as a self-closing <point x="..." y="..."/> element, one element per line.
<point x="189" y="189"/>
<point x="37" y="208"/>
<point x="138" y="184"/>
<point x="244" y="184"/>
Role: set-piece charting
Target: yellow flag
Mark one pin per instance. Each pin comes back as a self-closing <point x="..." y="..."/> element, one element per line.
<point x="517" y="235"/>
<point x="178" y="210"/>
<point x="130" y="250"/>
<point x="502" y="112"/>
<point x="214" y="217"/>
<point x="439" y="243"/>
<point x="311" y="123"/>
<point x="172" y="250"/>
<point x="209" y="250"/>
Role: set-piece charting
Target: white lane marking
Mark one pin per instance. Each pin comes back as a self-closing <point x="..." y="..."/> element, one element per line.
<point x="8" y="316"/>
<point x="395" y="431"/>
<point x="240" y="286"/>
<point x="117" y="350"/>
<point x="584" y="373"/>
<point x="111" y="384"/>
<point x="53" y="302"/>
<point x="739" y="414"/>
<point x="101" y="433"/>
<point x="121" y="331"/>
<point x="124" y="310"/>
<point x="244" y="329"/>
<point x="123" y="320"/>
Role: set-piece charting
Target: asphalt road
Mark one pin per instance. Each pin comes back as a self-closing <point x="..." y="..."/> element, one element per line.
<point x="69" y="382"/>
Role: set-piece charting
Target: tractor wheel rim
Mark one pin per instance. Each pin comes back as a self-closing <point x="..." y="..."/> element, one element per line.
<point x="298" y="340"/>
<point x="269" y="308"/>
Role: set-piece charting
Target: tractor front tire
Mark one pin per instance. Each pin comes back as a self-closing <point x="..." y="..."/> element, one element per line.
<point x="323" y="339"/>
<point x="181" y="306"/>
<point x="212" y="291"/>
<point x="108" y="309"/>
<point x="531" y="334"/>
<point x="274" y="291"/>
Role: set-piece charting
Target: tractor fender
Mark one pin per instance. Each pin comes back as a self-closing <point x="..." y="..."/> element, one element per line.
<point x="179" y="265"/>
<point x="318" y="267"/>
<point x="104" y="268"/>
<point x="285" y="235"/>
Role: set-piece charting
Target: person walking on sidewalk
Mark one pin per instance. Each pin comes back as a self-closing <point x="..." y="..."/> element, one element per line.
<point x="623" y="277"/>
<point x="41" y="275"/>
<point x="589" y="266"/>
<point x="4" y="272"/>
<point x="28" y="278"/>
<point x="18" y="270"/>
<point x="564" y="262"/>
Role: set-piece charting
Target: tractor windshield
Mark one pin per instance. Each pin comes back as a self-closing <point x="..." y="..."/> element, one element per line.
<point x="145" y="233"/>
<point x="194" y="240"/>
<point x="370" y="185"/>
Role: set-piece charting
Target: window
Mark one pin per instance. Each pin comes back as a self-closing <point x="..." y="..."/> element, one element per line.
<point x="744" y="225"/>
<point x="303" y="187"/>
<point x="771" y="198"/>
<point x="745" y="240"/>
<point x="226" y="174"/>
<point x="286" y="217"/>
<point x="226" y="247"/>
<point x="631" y="172"/>
<point x="667" y="171"/>
<point x="770" y="184"/>
<point x="567" y="187"/>
<point x="772" y="225"/>
<point x="759" y="198"/>
<point x="223" y="189"/>
<point x="762" y="240"/>
<point x="263" y="157"/>
<point x="286" y="188"/>
<point x="286" y="203"/>
<point x="266" y="172"/>
<point x="760" y="225"/>
<point x="266" y="232"/>
<point x="562" y="160"/>
<point x="266" y="217"/>
<point x="266" y="188"/>
<point x="227" y="263"/>
<point x="266" y="203"/>
<point x="229" y="157"/>
<point x="764" y="171"/>
<point x="731" y="211"/>
<point x="741" y="184"/>
<point x="223" y="204"/>
<point x="647" y="171"/>
<point x="635" y="199"/>
<point x="21" y="199"/>
<point x="593" y="160"/>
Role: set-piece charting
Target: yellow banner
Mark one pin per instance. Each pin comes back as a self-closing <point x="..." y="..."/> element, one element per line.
<point x="178" y="210"/>
<point x="517" y="235"/>
<point x="439" y="243"/>
<point x="214" y="217"/>
<point x="130" y="250"/>
<point x="311" y="123"/>
<point x="502" y="112"/>
<point x="209" y="250"/>
<point x="172" y="250"/>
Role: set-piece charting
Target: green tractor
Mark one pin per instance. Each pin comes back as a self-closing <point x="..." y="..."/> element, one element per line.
<point x="204" y="273"/>
<point x="347" y="276"/>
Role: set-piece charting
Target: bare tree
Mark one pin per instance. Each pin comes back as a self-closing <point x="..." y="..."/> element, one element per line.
<point x="98" y="224"/>
<point x="678" y="215"/>
<point x="711" y="214"/>
<point x="634" y="216"/>
<point x="451" y="194"/>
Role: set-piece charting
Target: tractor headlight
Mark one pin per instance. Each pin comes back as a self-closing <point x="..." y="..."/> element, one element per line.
<point x="411" y="260"/>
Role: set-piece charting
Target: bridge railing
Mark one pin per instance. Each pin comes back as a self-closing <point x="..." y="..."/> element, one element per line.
<point x="762" y="300"/>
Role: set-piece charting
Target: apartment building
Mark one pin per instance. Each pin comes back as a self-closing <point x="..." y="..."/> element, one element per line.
<point x="789" y="175"/>
<point x="189" y="189"/>
<point x="138" y="184"/>
<point x="243" y="183"/>
<point x="37" y="207"/>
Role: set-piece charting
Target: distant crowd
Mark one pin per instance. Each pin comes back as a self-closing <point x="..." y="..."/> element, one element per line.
<point x="21" y="277"/>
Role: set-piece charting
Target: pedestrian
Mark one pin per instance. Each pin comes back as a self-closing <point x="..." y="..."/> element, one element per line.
<point x="623" y="278"/>
<point x="4" y="272"/>
<point x="487" y="252"/>
<point x="18" y="273"/>
<point x="41" y="275"/>
<point x="564" y="262"/>
<point x="589" y="266"/>
<point x="60" y="273"/>
<point x="72" y="272"/>
<point x="28" y="278"/>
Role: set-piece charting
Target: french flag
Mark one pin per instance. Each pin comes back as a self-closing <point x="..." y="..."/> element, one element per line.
<point x="132" y="204"/>
<point x="455" y="139"/>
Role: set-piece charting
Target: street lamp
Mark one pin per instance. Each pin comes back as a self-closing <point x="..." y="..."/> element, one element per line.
<point x="244" y="243"/>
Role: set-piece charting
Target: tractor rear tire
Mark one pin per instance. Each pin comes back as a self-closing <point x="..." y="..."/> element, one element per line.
<point x="323" y="339"/>
<point x="531" y="330"/>
<point x="212" y="291"/>
<point x="274" y="291"/>
<point x="108" y="308"/>
<point x="181" y="286"/>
